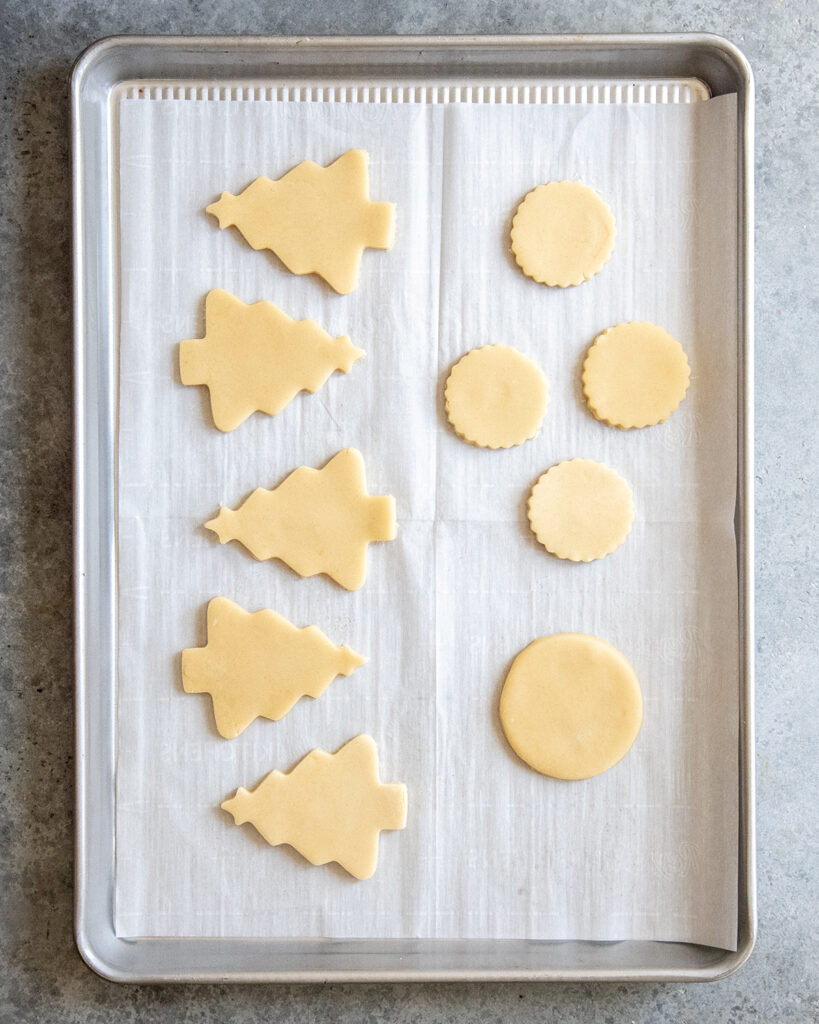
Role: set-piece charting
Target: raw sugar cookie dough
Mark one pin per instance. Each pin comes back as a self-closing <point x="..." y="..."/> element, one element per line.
<point x="255" y="357"/>
<point x="581" y="510"/>
<point x="571" y="706"/>
<point x="317" y="220"/>
<point x="330" y="807"/>
<point x="496" y="397"/>
<point x="562" y="234"/>
<point x="316" y="520"/>
<point x="258" y="664"/>
<point x="635" y="375"/>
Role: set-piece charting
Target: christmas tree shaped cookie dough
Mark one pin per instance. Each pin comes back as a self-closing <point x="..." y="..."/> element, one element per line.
<point x="257" y="664"/>
<point x="255" y="357"/>
<point x="315" y="219"/>
<point x="330" y="807"/>
<point x="316" y="520"/>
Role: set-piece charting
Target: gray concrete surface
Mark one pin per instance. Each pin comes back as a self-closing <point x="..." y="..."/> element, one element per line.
<point x="43" y="978"/>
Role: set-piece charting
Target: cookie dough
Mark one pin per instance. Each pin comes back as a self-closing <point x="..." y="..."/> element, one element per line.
<point x="255" y="357"/>
<point x="316" y="520"/>
<point x="635" y="375"/>
<point x="571" y="706"/>
<point x="496" y="397"/>
<point x="562" y="234"/>
<point x="581" y="510"/>
<point x="330" y="807"/>
<point x="257" y="664"/>
<point x="317" y="220"/>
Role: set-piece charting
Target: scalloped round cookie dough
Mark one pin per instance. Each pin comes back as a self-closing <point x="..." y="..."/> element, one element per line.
<point x="496" y="397"/>
<point x="571" y="706"/>
<point x="635" y="375"/>
<point x="581" y="510"/>
<point x="562" y="234"/>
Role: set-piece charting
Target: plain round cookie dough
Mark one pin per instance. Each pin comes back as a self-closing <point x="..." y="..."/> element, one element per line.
<point x="562" y="233"/>
<point x="581" y="510"/>
<point x="635" y="375"/>
<point x="571" y="706"/>
<point x="496" y="397"/>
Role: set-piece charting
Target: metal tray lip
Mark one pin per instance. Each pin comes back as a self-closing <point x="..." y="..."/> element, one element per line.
<point x="102" y="950"/>
<point x="411" y="41"/>
<point x="107" y="965"/>
<point x="79" y="532"/>
<point x="439" y="43"/>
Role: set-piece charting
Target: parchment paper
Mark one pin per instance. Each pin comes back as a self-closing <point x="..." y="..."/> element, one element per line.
<point x="491" y="849"/>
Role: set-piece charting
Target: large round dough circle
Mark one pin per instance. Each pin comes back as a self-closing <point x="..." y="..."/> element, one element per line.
<point x="496" y="397"/>
<point x="571" y="706"/>
<point x="562" y="234"/>
<point x="635" y="375"/>
<point x="581" y="510"/>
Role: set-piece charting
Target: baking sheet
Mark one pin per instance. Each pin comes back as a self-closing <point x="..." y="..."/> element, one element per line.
<point x="647" y="851"/>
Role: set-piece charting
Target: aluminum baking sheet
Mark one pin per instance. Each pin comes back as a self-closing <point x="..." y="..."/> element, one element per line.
<point x="497" y="92"/>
